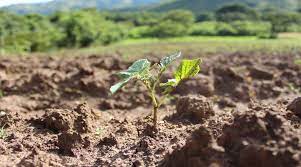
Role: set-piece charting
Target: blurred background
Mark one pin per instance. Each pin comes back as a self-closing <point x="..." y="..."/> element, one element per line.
<point x="135" y="27"/>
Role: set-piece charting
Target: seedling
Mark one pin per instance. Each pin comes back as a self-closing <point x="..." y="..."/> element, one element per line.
<point x="2" y="133"/>
<point x="150" y="76"/>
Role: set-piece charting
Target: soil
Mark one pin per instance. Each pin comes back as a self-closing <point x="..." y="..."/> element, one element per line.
<point x="240" y="110"/>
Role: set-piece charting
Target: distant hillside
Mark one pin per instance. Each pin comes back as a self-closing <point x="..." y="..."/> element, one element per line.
<point x="209" y="5"/>
<point x="67" y="5"/>
<point x="152" y="5"/>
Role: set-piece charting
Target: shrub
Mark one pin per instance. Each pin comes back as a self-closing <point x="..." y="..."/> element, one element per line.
<point x="249" y="28"/>
<point x="270" y="35"/>
<point x="294" y="28"/>
<point x="225" y="29"/>
<point x="169" y="29"/>
<point x="204" y="28"/>
<point x="140" y="32"/>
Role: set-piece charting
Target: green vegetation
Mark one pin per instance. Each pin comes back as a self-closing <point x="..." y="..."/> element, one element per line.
<point x="202" y="45"/>
<point x="150" y="76"/>
<point x="198" y="6"/>
<point x="236" y="12"/>
<point x="298" y="62"/>
<point x="3" y="133"/>
<point x="69" y="5"/>
<point x="89" y="27"/>
<point x="1" y="93"/>
<point x="98" y="131"/>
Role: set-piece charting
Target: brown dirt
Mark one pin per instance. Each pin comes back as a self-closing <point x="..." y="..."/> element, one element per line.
<point x="241" y="110"/>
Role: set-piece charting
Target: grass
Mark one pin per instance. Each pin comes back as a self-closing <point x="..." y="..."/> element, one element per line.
<point x="204" y="45"/>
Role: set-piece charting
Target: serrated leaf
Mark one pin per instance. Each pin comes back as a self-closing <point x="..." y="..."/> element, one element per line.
<point x="164" y="62"/>
<point x="187" y="69"/>
<point x="139" y="69"/>
<point x="119" y="85"/>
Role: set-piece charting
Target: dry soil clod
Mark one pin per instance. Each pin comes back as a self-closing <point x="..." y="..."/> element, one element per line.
<point x="295" y="106"/>
<point x="196" y="108"/>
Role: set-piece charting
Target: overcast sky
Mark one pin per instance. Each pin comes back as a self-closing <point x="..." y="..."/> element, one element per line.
<point x="10" y="2"/>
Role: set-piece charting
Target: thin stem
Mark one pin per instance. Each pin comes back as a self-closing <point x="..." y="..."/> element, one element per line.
<point x="157" y="102"/>
<point x="155" y="118"/>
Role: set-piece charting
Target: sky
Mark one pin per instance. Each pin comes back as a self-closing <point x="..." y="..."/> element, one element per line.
<point x="11" y="2"/>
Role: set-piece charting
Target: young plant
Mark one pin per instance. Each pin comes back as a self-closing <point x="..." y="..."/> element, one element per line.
<point x="3" y="134"/>
<point x="150" y="76"/>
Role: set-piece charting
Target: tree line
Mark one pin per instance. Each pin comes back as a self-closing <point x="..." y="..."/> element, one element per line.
<point x="83" y="28"/>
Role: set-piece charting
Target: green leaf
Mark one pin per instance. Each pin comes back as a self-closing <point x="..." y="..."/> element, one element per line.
<point x="187" y="69"/>
<point x="138" y="69"/>
<point x="164" y="62"/>
<point x="124" y="75"/>
<point x="119" y="85"/>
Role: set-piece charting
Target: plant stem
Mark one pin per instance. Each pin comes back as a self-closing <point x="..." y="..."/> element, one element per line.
<point x="155" y="116"/>
<point x="155" y="108"/>
<point x="152" y="95"/>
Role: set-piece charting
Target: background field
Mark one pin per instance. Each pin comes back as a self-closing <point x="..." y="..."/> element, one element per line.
<point x="133" y="48"/>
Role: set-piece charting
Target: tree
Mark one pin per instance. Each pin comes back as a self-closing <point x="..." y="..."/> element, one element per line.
<point x="183" y="17"/>
<point x="205" y="17"/>
<point x="280" y="20"/>
<point x="236" y="12"/>
<point x="169" y="29"/>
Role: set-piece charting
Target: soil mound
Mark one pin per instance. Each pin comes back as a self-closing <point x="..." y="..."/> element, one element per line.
<point x="261" y="138"/>
<point x="60" y="120"/>
<point x="258" y="137"/>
